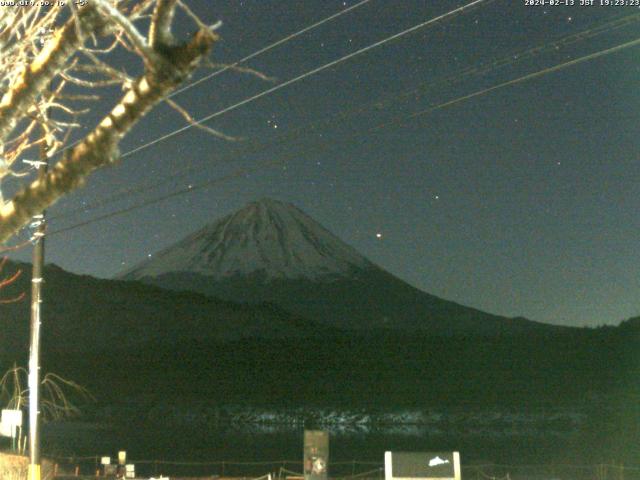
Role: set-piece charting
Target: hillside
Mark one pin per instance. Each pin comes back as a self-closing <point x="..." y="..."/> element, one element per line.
<point x="82" y="313"/>
<point x="271" y="251"/>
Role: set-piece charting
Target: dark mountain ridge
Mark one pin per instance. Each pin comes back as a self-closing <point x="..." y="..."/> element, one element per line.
<point x="271" y="251"/>
<point x="83" y="313"/>
<point x="367" y="299"/>
<point x="130" y="341"/>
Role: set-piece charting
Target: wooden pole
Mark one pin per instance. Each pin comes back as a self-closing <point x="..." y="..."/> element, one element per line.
<point x="34" y="355"/>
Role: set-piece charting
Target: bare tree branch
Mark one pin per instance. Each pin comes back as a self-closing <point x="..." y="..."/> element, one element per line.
<point x="135" y="37"/>
<point x="192" y="121"/>
<point x="36" y="55"/>
<point x="160" y="29"/>
<point x="35" y="77"/>
<point x="99" y="148"/>
<point x="5" y="282"/>
<point x="60" y="396"/>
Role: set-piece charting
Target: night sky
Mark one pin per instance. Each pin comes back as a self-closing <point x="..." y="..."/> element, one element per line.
<point x="521" y="201"/>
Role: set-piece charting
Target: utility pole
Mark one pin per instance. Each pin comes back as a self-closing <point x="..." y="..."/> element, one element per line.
<point x="36" y="302"/>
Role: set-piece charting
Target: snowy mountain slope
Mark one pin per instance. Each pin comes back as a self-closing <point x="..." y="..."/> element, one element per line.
<point x="268" y="237"/>
<point x="271" y="251"/>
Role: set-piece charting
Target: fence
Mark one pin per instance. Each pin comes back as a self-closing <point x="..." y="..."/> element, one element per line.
<point x="86" y="468"/>
<point x="551" y="472"/>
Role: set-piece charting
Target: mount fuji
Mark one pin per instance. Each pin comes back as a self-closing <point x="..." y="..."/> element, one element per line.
<point x="267" y="238"/>
<point x="272" y="252"/>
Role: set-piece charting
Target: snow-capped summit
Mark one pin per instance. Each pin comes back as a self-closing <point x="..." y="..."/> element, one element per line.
<point x="269" y="238"/>
<point x="271" y="252"/>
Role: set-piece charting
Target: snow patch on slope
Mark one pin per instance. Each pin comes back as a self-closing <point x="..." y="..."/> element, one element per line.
<point x="268" y="237"/>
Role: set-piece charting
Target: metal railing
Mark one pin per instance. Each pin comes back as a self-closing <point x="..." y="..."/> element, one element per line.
<point x="89" y="467"/>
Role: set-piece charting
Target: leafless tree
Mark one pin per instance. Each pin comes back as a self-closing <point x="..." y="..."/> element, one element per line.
<point x="61" y="397"/>
<point x="54" y="58"/>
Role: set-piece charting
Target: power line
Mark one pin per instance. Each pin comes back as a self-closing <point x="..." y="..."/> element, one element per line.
<point x="309" y="73"/>
<point x="518" y="56"/>
<point x="439" y="18"/>
<point x="508" y="59"/>
<point x="192" y="188"/>
<point x="241" y="172"/>
<point x="268" y="47"/>
<point x="252" y="55"/>
<point x="539" y="73"/>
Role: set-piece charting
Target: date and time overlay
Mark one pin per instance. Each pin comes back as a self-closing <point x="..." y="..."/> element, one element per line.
<point x="582" y="3"/>
<point x="527" y="3"/>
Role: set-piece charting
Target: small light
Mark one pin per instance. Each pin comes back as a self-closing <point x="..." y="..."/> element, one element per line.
<point x="378" y="235"/>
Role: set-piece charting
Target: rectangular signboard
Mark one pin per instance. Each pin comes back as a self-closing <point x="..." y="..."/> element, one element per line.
<point x="9" y="422"/>
<point x="422" y="465"/>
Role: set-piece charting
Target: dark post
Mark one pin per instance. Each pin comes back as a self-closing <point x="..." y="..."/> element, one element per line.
<point x="316" y="454"/>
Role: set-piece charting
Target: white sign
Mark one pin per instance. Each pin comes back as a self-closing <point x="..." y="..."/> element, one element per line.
<point x="6" y="430"/>
<point x="130" y="471"/>
<point x="105" y="461"/>
<point x="434" y="462"/>
<point x="9" y="422"/>
<point x="422" y="466"/>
